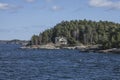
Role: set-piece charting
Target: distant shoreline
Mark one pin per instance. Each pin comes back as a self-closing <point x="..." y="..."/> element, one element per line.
<point x="15" y="41"/>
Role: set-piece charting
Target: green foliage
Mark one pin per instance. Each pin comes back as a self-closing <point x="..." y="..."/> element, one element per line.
<point x="82" y="31"/>
<point x="72" y="41"/>
<point x="34" y="40"/>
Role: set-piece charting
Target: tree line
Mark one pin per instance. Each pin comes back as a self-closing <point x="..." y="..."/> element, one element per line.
<point x="84" y="32"/>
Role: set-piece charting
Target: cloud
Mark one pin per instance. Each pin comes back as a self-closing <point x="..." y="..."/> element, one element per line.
<point x="9" y="7"/>
<point x="30" y="1"/>
<point x="4" y="6"/>
<point x="56" y="8"/>
<point x="105" y="3"/>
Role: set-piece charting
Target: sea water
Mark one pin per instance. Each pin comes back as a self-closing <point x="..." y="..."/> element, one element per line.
<point x="62" y="64"/>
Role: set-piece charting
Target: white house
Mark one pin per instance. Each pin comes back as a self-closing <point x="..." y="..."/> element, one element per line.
<point x="61" y="41"/>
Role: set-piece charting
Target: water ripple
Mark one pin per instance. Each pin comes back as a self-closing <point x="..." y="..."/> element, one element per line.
<point x="18" y="64"/>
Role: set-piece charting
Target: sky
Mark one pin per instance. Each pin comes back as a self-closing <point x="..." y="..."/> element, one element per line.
<point x="20" y="19"/>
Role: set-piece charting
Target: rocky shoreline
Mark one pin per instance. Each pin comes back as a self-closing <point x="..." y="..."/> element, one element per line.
<point x="112" y="50"/>
<point x="93" y="48"/>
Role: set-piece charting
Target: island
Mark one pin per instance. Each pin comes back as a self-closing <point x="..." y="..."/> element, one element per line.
<point x="85" y="35"/>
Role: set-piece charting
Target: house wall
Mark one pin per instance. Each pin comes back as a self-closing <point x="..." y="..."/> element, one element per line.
<point x="60" y="41"/>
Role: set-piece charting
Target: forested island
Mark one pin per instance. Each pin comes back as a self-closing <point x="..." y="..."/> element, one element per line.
<point x="81" y="32"/>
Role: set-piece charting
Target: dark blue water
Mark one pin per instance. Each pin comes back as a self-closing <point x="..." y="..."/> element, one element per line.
<point x="18" y="64"/>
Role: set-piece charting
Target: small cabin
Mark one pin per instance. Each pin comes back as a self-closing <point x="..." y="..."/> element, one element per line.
<point x="61" y="40"/>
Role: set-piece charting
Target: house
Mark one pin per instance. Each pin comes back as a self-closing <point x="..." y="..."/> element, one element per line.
<point x="60" y="41"/>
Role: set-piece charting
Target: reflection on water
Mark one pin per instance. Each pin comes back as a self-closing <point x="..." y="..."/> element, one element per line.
<point x="18" y="64"/>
